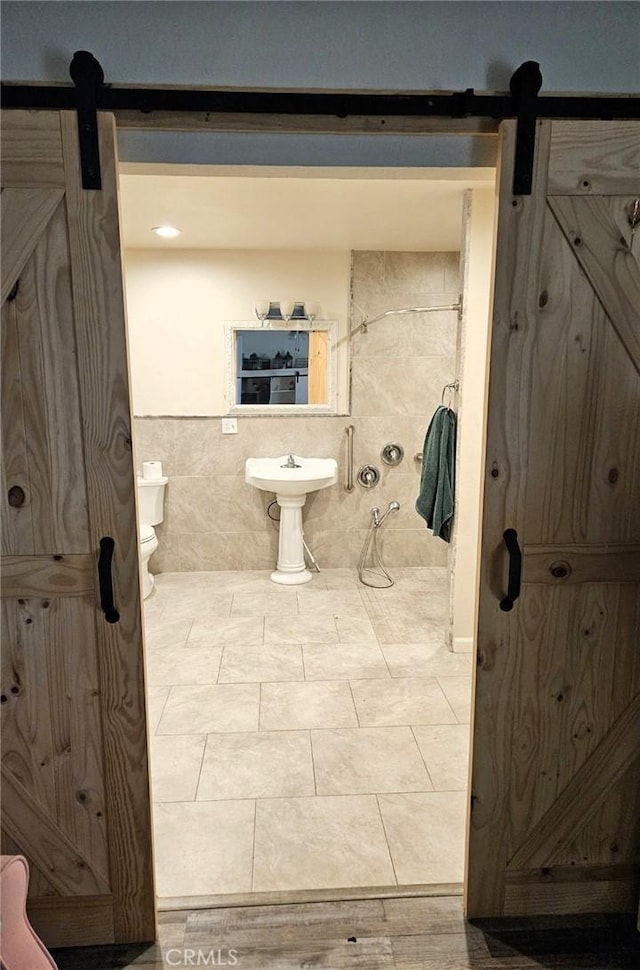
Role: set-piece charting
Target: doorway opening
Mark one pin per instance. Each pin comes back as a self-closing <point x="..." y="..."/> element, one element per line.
<point x="308" y="740"/>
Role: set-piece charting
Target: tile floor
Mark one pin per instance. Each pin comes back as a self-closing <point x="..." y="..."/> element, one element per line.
<point x="298" y="741"/>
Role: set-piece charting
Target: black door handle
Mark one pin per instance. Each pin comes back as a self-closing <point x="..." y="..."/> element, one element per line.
<point x="105" y="580"/>
<point x="510" y="537"/>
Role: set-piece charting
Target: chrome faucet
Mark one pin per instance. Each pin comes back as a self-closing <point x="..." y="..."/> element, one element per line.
<point x="291" y="463"/>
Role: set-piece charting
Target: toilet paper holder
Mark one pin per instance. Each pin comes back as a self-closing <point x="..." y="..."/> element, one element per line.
<point x="152" y="469"/>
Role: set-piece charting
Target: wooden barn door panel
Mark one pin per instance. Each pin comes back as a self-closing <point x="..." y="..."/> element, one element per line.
<point x="40" y="321"/>
<point x="555" y="815"/>
<point x="25" y="216"/>
<point x="74" y="761"/>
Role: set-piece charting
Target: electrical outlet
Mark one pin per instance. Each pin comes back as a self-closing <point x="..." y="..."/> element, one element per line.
<point x="229" y="425"/>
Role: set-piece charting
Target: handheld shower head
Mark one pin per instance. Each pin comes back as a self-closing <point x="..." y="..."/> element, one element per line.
<point x="378" y="518"/>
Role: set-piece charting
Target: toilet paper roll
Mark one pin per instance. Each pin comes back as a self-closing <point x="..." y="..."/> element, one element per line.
<point x="151" y="470"/>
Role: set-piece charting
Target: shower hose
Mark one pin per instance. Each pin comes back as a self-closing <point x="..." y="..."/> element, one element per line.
<point x="376" y="575"/>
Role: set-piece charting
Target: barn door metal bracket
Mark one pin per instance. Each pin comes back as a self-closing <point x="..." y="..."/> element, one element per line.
<point x="524" y="85"/>
<point x="88" y="76"/>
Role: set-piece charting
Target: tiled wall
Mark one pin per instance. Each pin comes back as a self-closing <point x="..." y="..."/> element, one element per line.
<point x="213" y="520"/>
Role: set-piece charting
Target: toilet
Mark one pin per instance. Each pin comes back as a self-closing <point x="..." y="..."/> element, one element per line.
<point x="150" y="513"/>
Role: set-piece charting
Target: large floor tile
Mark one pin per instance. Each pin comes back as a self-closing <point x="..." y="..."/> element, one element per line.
<point x="424" y="660"/>
<point x="215" y="631"/>
<point x="183" y="665"/>
<point x="420" y="577"/>
<point x="204" y="847"/>
<point x="295" y="706"/>
<point x="175" y="766"/>
<point x="258" y="603"/>
<point x="341" y="578"/>
<point x="445" y="749"/>
<point x="355" y="761"/>
<point x="426" y="835"/>
<point x="332" y="602"/>
<point x="457" y="690"/>
<point x="229" y="580"/>
<point x="264" y="662"/>
<point x="204" y="709"/>
<point x="404" y="627"/>
<point x="156" y="700"/>
<point x="291" y="628"/>
<point x="256" y="581"/>
<point x="427" y="604"/>
<point x="260" y="764"/>
<point x="343" y="661"/>
<point x="194" y="602"/>
<point x="201" y="578"/>
<point x="310" y="843"/>
<point x="396" y="702"/>
<point x="166" y="634"/>
<point x="353" y="627"/>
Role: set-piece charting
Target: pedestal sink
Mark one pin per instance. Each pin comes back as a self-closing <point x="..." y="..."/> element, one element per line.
<point x="291" y="478"/>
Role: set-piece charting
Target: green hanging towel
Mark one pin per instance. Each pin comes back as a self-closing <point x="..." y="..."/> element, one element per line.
<point x="435" y="501"/>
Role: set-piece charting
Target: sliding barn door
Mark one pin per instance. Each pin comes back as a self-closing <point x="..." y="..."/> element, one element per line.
<point x="75" y="792"/>
<point x="555" y="791"/>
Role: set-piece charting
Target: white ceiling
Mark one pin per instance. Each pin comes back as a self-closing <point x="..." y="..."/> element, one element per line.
<point x="352" y="209"/>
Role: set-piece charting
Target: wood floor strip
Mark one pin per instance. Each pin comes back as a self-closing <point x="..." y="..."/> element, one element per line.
<point x="420" y="933"/>
<point x="168" y="903"/>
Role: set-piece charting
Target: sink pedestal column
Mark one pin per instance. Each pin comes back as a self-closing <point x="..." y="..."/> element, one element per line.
<point x="291" y="570"/>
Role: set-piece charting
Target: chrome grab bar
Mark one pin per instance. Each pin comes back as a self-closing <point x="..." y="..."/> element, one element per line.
<point x="349" y="430"/>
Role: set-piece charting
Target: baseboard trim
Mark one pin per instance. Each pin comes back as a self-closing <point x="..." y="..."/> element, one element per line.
<point x="463" y="644"/>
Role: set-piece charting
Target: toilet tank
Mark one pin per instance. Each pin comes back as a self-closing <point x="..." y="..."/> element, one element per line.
<point x="151" y="500"/>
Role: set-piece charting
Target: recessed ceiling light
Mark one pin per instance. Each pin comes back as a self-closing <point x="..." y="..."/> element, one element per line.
<point x="167" y="232"/>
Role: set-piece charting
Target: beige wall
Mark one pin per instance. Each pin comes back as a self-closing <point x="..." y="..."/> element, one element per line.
<point x="215" y="521"/>
<point x="177" y="302"/>
<point x="473" y="361"/>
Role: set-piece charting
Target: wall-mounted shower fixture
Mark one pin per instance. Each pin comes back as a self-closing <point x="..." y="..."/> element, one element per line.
<point x="410" y="309"/>
<point x="374" y="574"/>
<point x="379" y="517"/>
<point x="368" y="476"/>
<point x="392" y="453"/>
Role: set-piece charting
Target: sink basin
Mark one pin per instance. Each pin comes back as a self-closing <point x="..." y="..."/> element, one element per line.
<point x="270" y="475"/>
<point x="291" y="485"/>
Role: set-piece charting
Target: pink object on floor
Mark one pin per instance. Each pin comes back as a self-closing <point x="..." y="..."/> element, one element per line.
<point x="20" y="948"/>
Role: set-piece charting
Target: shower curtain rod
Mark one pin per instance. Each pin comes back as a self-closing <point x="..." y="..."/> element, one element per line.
<point x="362" y="328"/>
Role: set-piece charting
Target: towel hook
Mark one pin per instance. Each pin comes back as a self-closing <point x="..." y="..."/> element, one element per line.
<point x="452" y="388"/>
